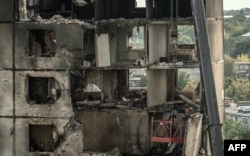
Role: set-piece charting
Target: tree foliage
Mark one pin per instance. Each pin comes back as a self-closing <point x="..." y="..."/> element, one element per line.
<point x="186" y="34"/>
<point x="235" y="130"/>
<point x="183" y="79"/>
<point x="238" y="90"/>
<point x="191" y="85"/>
<point x="234" y="43"/>
<point x="242" y="58"/>
<point x="228" y="66"/>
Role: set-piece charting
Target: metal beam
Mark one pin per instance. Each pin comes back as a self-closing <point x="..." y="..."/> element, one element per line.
<point x="214" y="126"/>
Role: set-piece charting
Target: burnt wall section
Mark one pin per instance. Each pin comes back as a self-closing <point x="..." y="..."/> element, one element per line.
<point x="106" y="9"/>
<point x="127" y="130"/>
<point x="6" y="10"/>
<point x="84" y="10"/>
<point x="64" y="41"/>
<point x="6" y="45"/>
<point x="6" y="95"/>
<point x="60" y="108"/>
<point x="163" y="8"/>
<point x="89" y="46"/>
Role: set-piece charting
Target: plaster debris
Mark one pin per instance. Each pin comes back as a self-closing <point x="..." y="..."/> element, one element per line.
<point x="60" y="19"/>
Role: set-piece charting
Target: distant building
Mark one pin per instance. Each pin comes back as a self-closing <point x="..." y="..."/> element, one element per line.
<point x="242" y="117"/>
<point x="242" y="70"/>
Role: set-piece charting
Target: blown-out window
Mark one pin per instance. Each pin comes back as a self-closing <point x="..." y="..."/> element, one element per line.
<point x="41" y="138"/>
<point x="137" y="79"/>
<point x="137" y="39"/>
<point x="43" y="90"/>
<point x="41" y="43"/>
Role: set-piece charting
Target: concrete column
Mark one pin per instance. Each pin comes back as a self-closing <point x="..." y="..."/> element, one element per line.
<point x="214" y="12"/>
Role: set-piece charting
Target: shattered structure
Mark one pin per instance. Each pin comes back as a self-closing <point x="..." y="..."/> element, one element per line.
<point x="91" y="75"/>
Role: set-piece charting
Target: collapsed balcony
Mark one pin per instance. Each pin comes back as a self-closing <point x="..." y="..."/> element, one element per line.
<point x="112" y="89"/>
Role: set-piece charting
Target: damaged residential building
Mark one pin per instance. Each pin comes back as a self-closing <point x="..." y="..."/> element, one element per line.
<point x="80" y="77"/>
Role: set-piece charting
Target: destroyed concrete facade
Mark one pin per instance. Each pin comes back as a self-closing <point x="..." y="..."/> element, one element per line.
<point x="65" y="74"/>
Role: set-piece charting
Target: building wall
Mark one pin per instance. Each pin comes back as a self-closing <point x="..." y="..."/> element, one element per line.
<point x="240" y="118"/>
<point x="6" y="10"/>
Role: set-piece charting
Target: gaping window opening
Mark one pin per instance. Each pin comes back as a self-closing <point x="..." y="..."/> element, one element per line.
<point x="188" y="83"/>
<point x="137" y="79"/>
<point x="41" y="138"/>
<point x="137" y="39"/>
<point x="140" y="3"/>
<point x="43" y="90"/>
<point x="41" y="43"/>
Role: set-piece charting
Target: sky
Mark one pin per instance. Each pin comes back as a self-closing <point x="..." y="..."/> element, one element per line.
<point x="236" y="4"/>
<point x="228" y="4"/>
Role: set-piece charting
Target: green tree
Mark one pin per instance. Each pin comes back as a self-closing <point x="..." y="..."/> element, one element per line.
<point x="239" y="90"/>
<point x="227" y="83"/>
<point x="242" y="58"/>
<point x="191" y="84"/>
<point x="235" y="130"/>
<point x="183" y="79"/>
<point x="234" y="43"/>
<point x="228" y="66"/>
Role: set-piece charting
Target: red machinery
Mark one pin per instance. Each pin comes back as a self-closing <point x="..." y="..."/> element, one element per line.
<point x="167" y="131"/>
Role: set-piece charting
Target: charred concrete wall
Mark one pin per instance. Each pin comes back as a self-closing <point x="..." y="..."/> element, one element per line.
<point x="6" y="11"/>
<point x="127" y="130"/>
